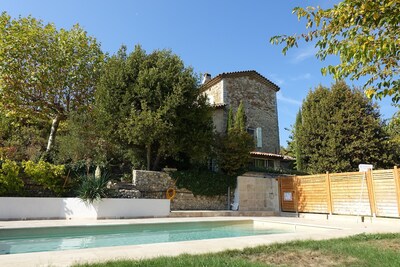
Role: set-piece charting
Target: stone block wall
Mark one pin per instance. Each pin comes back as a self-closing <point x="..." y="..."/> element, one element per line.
<point x="258" y="194"/>
<point x="260" y="105"/>
<point x="259" y="100"/>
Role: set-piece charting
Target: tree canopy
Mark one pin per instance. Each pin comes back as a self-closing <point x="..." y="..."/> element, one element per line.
<point x="364" y="33"/>
<point x="338" y="130"/>
<point x="45" y="72"/>
<point x="233" y="148"/>
<point x="150" y="105"/>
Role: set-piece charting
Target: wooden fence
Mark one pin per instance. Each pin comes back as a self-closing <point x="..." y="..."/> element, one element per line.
<point x="374" y="193"/>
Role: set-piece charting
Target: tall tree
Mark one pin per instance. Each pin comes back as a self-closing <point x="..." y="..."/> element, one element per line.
<point x="233" y="148"/>
<point x="240" y="118"/>
<point x="230" y="122"/>
<point x="45" y="72"/>
<point x="297" y="149"/>
<point x="341" y="129"/>
<point x="364" y="33"/>
<point x="150" y="104"/>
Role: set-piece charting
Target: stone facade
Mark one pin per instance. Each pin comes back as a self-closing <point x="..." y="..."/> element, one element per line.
<point x="258" y="193"/>
<point x="258" y="95"/>
<point x="153" y="184"/>
<point x="185" y="200"/>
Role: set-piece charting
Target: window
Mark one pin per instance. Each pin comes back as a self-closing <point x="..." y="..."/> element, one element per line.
<point x="260" y="163"/>
<point x="212" y="165"/>
<point x="270" y="164"/>
<point x="250" y="131"/>
<point x="259" y="136"/>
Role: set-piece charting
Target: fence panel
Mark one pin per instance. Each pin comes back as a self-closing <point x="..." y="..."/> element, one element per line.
<point x="385" y="193"/>
<point x="350" y="194"/>
<point x="312" y="194"/>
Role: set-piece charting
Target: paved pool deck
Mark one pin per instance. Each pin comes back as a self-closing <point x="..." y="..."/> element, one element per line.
<point x="314" y="227"/>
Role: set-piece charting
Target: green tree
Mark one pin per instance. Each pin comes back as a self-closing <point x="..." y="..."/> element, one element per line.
<point x="229" y="124"/>
<point x="364" y="33"/>
<point x="240" y="118"/>
<point x="150" y="105"/>
<point x="233" y="148"/>
<point x="297" y="149"/>
<point x="22" y="138"/>
<point x="44" y="72"/>
<point x="341" y="129"/>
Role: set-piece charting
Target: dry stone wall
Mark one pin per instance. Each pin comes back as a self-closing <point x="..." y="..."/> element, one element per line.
<point x="155" y="184"/>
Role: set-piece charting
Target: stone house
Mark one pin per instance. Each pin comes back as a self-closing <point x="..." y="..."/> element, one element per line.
<point x="258" y="95"/>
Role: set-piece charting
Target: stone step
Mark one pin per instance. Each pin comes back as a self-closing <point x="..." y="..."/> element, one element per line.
<point x="215" y="213"/>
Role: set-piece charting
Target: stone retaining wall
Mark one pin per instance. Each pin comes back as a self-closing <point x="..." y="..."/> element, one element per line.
<point x="155" y="184"/>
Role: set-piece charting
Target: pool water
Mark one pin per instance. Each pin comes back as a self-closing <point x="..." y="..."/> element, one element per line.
<point x="24" y="240"/>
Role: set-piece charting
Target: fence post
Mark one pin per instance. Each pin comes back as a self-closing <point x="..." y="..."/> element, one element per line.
<point x="371" y="192"/>
<point x="329" y="193"/>
<point x="295" y="196"/>
<point x="397" y="182"/>
<point x="280" y="194"/>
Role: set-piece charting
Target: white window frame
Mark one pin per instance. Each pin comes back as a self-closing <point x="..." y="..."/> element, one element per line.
<point x="259" y="136"/>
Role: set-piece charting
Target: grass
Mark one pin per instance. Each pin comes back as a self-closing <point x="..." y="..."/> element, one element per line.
<point x="359" y="250"/>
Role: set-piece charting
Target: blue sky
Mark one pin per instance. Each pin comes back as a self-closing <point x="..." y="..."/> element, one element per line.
<point x="210" y="36"/>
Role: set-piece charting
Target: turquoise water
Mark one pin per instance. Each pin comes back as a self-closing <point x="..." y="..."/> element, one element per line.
<point x="23" y="240"/>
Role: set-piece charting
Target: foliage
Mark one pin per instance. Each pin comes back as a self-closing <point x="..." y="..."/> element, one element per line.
<point x="204" y="182"/>
<point x="297" y="148"/>
<point x="44" y="72"/>
<point x="92" y="188"/>
<point x="341" y="129"/>
<point x="21" y="138"/>
<point x="233" y="148"/>
<point x="240" y="119"/>
<point x="364" y="33"/>
<point x="10" y="180"/>
<point x="79" y="140"/>
<point x="48" y="175"/>
<point x="150" y="107"/>
<point x="229" y="123"/>
<point x="233" y="151"/>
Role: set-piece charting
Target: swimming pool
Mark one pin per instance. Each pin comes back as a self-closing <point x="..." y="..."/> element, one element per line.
<point x="24" y="240"/>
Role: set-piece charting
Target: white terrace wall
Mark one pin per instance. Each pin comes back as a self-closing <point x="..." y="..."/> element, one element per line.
<point x="16" y="208"/>
<point x="155" y="184"/>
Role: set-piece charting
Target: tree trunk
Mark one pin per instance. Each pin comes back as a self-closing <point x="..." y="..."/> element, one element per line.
<point x="53" y="131"/>
<point x="148" y="147"/>
<point x="156" y="162"/>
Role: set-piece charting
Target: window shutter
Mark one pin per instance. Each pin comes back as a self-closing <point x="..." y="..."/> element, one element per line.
<point x="259" y="137"/>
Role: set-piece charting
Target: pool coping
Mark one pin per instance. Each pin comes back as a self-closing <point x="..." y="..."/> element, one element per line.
<point x="326" y="229"/>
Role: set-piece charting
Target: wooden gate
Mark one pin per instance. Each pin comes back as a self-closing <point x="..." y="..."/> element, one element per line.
<point x="287" y="194"/>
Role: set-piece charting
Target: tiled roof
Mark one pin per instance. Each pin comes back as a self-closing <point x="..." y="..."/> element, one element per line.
<point x="219" y="105"/>
<point x="250" y="73"/>
<point x="265" y="155"/>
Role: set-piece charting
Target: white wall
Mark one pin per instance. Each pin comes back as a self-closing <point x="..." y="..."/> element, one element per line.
<point x="16" y="208"/>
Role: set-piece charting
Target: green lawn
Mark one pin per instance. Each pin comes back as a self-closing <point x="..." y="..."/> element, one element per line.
<point x="360" y="250"/>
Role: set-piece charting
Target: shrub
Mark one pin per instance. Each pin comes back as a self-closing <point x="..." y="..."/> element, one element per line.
<point x="204" y="182"/>
<point x="93" y="188"/>
<point x="46" y="174"/>
<point x="10" y="182"/>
